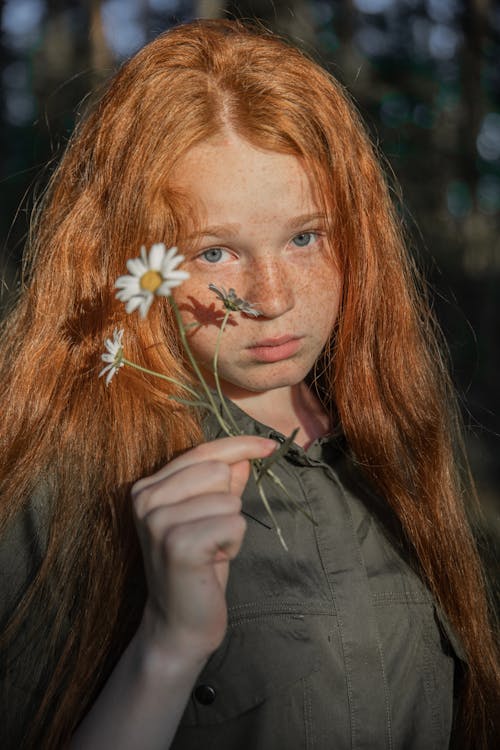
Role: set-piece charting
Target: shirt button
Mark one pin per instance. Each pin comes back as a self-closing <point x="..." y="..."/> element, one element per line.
<point x="204" y="694"/>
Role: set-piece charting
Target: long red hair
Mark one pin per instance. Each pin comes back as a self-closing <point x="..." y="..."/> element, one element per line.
<point x="382" y="370"/>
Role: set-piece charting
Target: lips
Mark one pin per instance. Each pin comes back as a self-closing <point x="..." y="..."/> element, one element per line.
<point x="275" y="349"/>
<point x="277" y="341"/>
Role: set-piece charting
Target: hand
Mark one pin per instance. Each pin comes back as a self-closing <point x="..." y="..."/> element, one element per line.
<point x="190" y="526"/>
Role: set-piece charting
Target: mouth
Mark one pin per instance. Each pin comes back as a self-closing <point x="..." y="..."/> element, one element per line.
<point x="275" y="349"/>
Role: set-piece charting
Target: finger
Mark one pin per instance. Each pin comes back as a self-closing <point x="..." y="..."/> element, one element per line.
<point x="201" y="542"/>
<point x="161" y="518"/>
<point x="188" y="576"/>
<point x="197" y="479"/>
<point x="230" y="450"/>
<point x="240" y="472"/>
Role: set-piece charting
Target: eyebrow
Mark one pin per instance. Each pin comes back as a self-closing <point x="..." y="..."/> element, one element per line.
<point x="218" y="230"/>
<point x="231" y="230"/>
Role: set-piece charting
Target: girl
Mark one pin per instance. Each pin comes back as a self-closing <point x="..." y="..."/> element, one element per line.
<point x="140" y="607"/>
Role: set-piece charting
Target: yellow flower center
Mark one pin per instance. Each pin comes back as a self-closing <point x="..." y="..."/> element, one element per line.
<point x="150" y="281"/>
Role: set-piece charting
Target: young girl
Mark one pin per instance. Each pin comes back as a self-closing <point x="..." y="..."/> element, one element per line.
<point x="146" y="600"/>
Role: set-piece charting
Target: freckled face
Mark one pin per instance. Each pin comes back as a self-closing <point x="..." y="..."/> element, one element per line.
<point x="263" y="235"/>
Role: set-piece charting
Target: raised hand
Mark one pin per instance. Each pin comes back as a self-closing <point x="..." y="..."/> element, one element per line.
<point x="190" y="526"/>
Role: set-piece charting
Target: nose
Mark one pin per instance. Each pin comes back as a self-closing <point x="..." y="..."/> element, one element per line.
<point x="269" y="287"/>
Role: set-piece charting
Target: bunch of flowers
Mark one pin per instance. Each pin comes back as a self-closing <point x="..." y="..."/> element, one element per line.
<point x="155" y="275"/>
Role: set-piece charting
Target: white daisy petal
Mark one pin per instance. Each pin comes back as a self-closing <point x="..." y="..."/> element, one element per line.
<point x="160" y="261"/>
<point x="164" y="289"/>
<point x="111" y="373"/>
<point x="113" y="355"/>
<point x="171" y="283"/>
<point x="180" y="275"/>
<point x="156" y="256"/>
<point x="127" y="282"/>
<point x="145" y="305"/>
<point x="171" y="253"/>
<point x="172" y="265"/>
<point x="137" y="267"/>
<point x="176" y="260"/>
<point x="133" y="304"/>
<point x="124" y="296"/>
<point x="144" y="255"/>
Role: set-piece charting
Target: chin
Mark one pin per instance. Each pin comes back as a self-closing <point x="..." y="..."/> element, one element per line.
<point x="263" y="382"/>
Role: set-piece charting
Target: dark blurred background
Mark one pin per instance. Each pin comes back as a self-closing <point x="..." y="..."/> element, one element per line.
<point x="425" y="75"/>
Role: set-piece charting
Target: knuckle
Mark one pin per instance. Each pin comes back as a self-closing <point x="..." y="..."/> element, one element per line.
<point x="144" y="500"/>
<point x="176" y="544"/>
<point x="138" y="504"/>
<point x="155" y="523"/>
<point x="136" y="488"/>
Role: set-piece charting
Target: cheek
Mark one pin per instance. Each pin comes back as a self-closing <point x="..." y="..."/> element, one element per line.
<point x="190" y="288"/>
<point x="321" y="295"/>
<point x="197" y="303"/>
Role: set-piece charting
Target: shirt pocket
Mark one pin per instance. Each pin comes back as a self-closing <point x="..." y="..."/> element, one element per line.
<point x="259" y="659"/>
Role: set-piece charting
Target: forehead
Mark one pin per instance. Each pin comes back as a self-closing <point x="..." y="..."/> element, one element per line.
<point x="227" y="176"/>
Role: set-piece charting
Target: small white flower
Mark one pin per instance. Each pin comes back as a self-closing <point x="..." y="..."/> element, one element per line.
<point x="150" y="277"/>
<point x="231" y="301"/>
<point x="113" y="355"/>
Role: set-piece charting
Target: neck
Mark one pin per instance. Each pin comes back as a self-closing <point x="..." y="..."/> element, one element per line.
<point x="286" y="408"/>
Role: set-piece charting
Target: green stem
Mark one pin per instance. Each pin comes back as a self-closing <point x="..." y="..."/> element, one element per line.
<point x="216" y="375"/>
<point x="290" y="503"/>
<point x="159" y="375"/>
<point x="196" y="368"/>
<point x="267" y="505"/>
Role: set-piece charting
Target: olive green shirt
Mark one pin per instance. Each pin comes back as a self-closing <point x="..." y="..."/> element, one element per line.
<point x="334" y="644"/>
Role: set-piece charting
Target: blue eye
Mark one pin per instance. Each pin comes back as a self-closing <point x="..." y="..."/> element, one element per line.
<point x="212" y="255"/>
<point x="304" y="239"/>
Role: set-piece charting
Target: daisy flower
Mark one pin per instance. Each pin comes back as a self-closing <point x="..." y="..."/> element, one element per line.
<point x="151" y="276"/>
<point x="231" y="301"/>
<point x="113" y="355"/>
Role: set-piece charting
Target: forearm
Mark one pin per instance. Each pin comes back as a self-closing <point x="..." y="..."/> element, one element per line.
<point x="142" y="702"/>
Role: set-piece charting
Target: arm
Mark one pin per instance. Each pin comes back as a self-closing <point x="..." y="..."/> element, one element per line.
<point x="189" y="525"/>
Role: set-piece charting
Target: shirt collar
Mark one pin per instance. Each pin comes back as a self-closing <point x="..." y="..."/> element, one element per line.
<point x="326" y="445"/>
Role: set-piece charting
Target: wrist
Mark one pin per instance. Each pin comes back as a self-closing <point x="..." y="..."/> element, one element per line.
<point x="165" y="652"/>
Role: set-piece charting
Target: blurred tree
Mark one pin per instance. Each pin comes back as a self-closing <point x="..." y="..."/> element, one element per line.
<point x="101" y="58"/>
<point x="290" y="17"/>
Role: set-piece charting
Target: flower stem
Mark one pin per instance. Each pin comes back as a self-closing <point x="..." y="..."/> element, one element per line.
<point x="267" y="505"/>
<point x="197" y="370"/>
<point x="216" y="375"/>
<point x="159" y="375"/>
